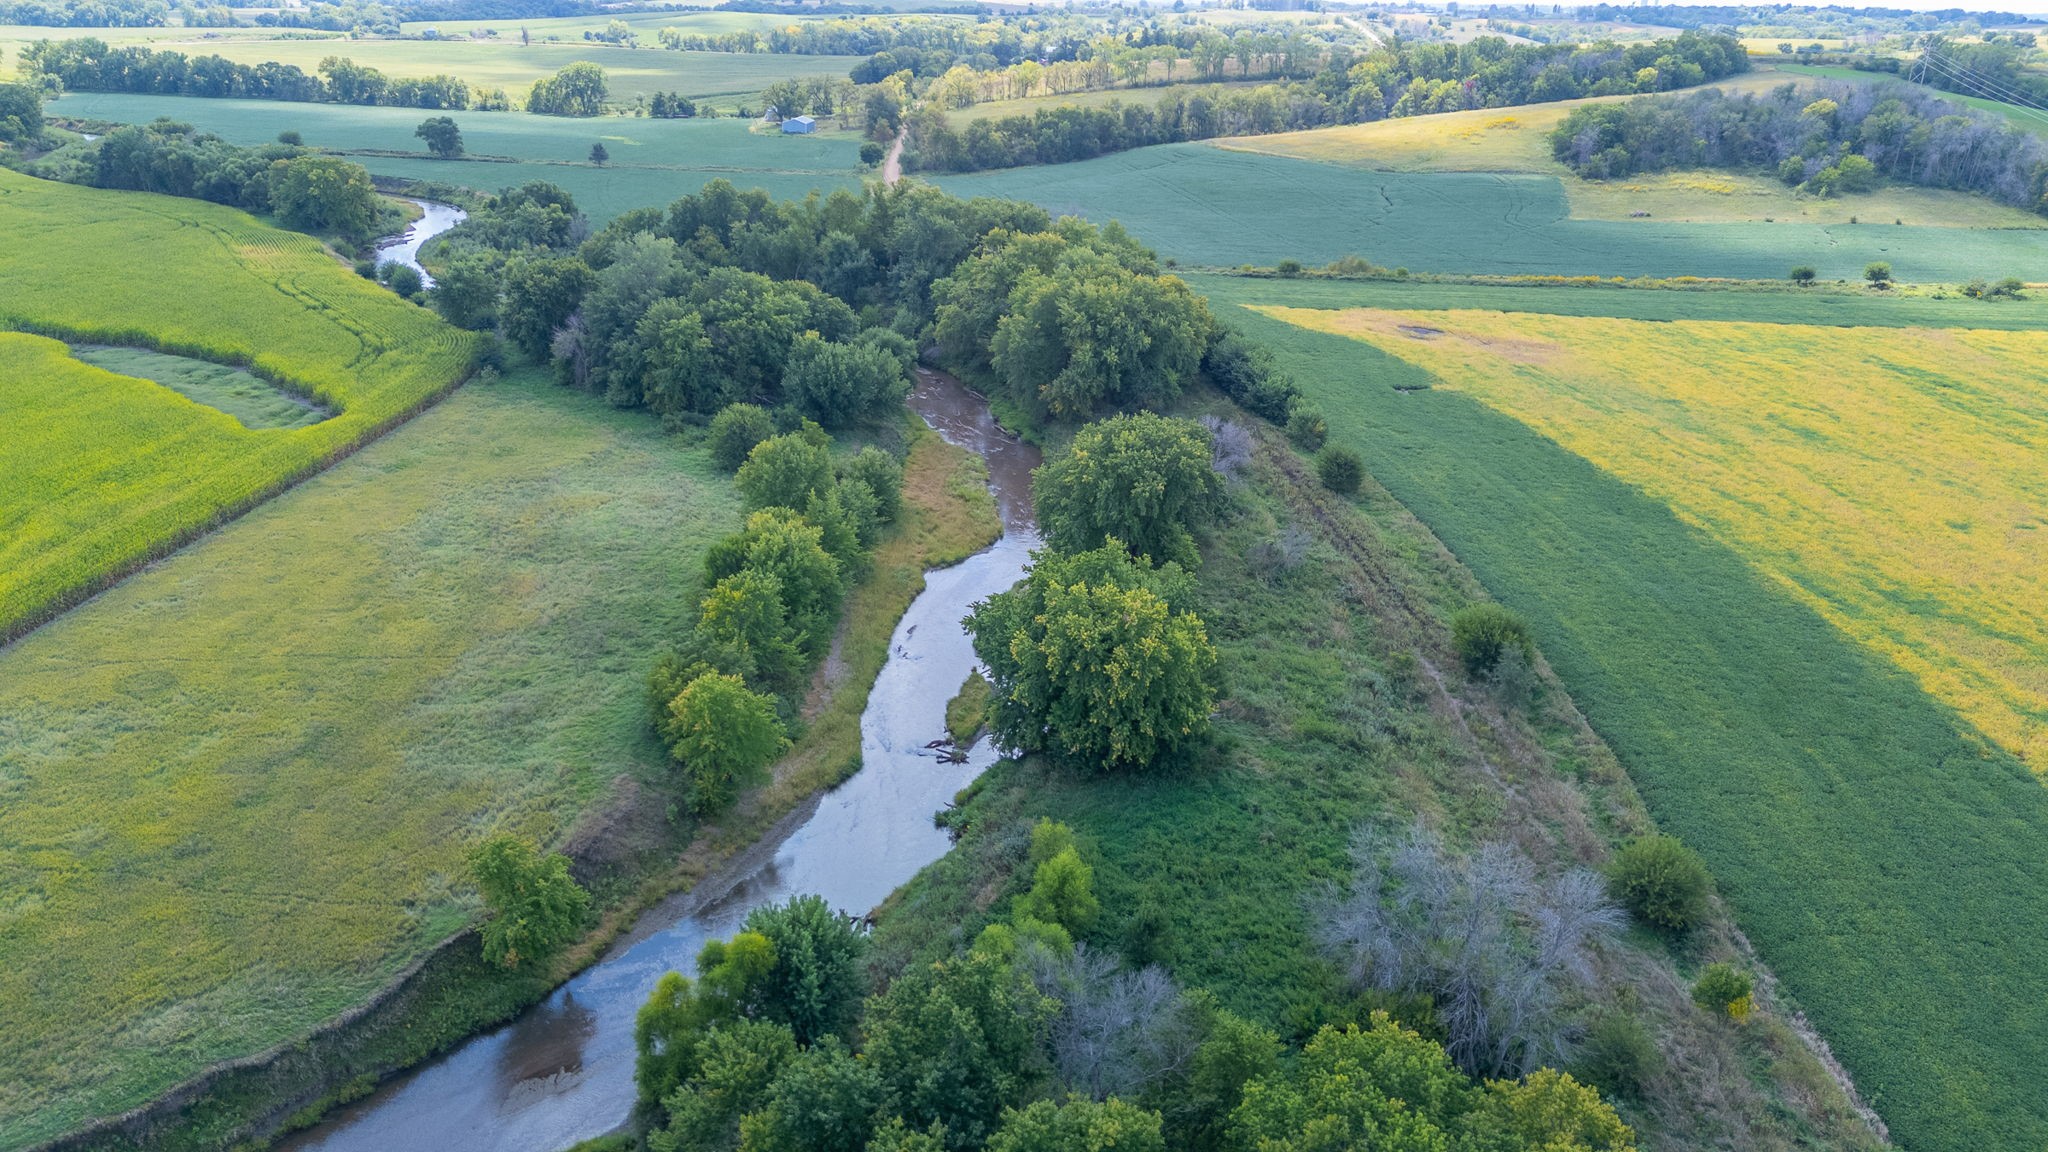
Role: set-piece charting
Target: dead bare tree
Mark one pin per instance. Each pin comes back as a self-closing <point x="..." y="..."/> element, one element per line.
<point x="1117" y="1031"/>
<point x="1495" y="948"/>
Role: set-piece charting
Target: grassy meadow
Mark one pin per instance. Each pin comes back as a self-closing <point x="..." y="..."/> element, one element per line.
<point x="1883" y="857"/>
<point x="112" y="469"/>
<point x="1206" y="205"/>
<point x="1344" y="707"/>
<point x="652" y="161"/>
<point x="235" y="789"/>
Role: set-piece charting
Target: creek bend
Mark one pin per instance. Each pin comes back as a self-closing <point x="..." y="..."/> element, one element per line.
<point x="404" y="248"/>
<point x="563" y="1070"/>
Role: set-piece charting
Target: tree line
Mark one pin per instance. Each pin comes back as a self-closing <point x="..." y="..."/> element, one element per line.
<point x="300" y="188"/>
<point x="1827" y="139"/>
<point x="1403" y="80"/>
<point x="86" y="13"/>
<point x="88" y="64"/>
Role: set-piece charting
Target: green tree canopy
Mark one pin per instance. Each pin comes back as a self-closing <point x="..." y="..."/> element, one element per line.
<point x="842" y="384"/>
<point x="1078" y="1126"/>
<point x="577" y="90"/>
<point x="1099" y="335"/>
<point x="535" y="906"/>
<point x="817" y="982"/>
<point x="785" y="472"/>
<point x="443" y="136"/>
<point x="1144" y="479"/>
<point x="722" y="734"/>
<point x="735" y="431"/>
<point x="1091" y="662"/>
<point x="323" y="194"/>
<point x="956" y="1043"/>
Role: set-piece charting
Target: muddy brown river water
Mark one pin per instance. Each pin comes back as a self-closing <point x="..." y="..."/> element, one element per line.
<point x="563" y="1071"/>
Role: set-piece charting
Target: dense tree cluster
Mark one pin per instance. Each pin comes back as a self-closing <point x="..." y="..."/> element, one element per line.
<point x="1834" y="138"/>
<point x="86" y="13"/>
<point x="1398" y="80"/>
<point x="21" y="113"/>
<point x="305" y="191"/>
<point x="577" y="89"/>
<point x="1031" y="1040"/>
<point x="89" y="64"/>
<point x="1995" y="69"/>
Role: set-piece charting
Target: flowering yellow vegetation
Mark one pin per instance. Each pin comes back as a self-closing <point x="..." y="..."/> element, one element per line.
<point x="1892" y="478"/>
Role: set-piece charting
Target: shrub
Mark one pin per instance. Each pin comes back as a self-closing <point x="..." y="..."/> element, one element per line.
<point x="872" y="153"/>
<point x="1289" y="268"/>
<point x="722" y="734"/>
<point x="535" y="906"/>
<point x="1062" y="886"/>
<point x="1803" y="275"/>
<point x="785" y="472"/>
<point x="1306" y="427"/>
<point x="291" y="137"/>
<point x="1483" y="633"/>
<point x="1724" y="988"/>
<point x="882" y="475"/>
<point x="1618" y="1054"/>
<point x="1879" y="273"/>
<point x="1662" y="882"/>
<point x="1340" y="470"/>
<point x="400" y="278"/>
<point x="735" y="431"/>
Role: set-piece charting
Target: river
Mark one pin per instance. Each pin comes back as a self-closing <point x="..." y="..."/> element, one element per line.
<point x="563" y="1071"/>
<point x="404" y="248"/>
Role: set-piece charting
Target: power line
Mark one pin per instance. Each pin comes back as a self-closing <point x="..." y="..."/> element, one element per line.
<point x="1986" y="88"/>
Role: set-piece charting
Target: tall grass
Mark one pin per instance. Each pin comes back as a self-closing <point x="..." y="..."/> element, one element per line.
<point x="114" y="470"/>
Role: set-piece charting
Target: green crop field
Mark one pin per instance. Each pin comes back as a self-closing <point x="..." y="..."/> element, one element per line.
<point x="114" y="469"/>
<point x="652" y="161"/>
<point x="1885" y="859"/>
<point x="235" y="789"/>
<point x="1208" y="205"/>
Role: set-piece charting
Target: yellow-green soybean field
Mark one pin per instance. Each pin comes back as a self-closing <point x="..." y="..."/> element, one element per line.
<point x="1889" y="478"/>
<point x="108" y="470"/>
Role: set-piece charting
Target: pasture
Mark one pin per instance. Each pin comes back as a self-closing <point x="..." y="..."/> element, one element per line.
<point x="1206" y="205"/>
<point x="114" y="469"/>
<point x="1882" y="856"/>
<point x="652" y="161"/>
<point x="235" y="790"/>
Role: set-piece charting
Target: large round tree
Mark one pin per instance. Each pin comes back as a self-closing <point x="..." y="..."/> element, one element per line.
<point x="1093" y="663"/>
